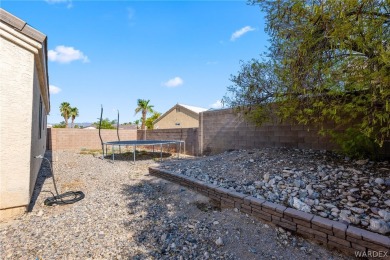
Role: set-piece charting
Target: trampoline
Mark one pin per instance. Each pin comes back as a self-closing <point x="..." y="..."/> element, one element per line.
<point x="134" y="143"/>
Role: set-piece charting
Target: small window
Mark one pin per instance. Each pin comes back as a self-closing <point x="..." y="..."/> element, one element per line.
<point x="40" y="118"/>
<point x="44" y="119"/>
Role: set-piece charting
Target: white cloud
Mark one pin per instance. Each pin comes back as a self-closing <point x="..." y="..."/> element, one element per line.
<point x="237" y="34"/>
<point x="217" y="104"/>
<point x="175" y="82"/>
<point x="212" y="63"/>
<point x="63" y="54"/>
<point x="130" y="13"/>
<point x="68" y="2"/>
<point x="54" y="89"/>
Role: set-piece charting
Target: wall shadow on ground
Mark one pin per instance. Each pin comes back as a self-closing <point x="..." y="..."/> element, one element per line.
<point x="139" y="156"/>
<point x="158" y="210"/>
<point x="168" y="221"/>
<point x="43" y="174"/>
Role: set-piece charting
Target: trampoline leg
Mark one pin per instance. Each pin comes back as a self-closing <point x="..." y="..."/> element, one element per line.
<point x="112" y="150"/>
<point x="134" y="153"/>
<point x="160" y="152"/>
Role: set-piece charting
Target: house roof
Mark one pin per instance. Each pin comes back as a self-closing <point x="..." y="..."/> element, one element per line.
<point x="194" y="110"/>
<point x="18" y="25"/>
<point x="127" y="127"/>
<point x="21" y="26"/>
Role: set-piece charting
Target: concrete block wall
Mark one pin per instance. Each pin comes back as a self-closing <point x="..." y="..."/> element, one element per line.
<point x="189" y="135"/>
<point x="333" y="234"/>
<point x="70" y="139"/>
<point x="221" y="130"/>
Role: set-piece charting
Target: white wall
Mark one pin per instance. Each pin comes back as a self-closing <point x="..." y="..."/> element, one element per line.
<point x="38" y="144"/>
<point x="16" y="88"/>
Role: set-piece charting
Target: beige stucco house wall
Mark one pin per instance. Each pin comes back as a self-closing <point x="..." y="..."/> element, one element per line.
<point x="24" y="105"/>
<point x="179" y="116"/>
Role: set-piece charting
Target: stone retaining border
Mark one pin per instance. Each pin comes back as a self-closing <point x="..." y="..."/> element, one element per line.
<point x="348" y="239"/>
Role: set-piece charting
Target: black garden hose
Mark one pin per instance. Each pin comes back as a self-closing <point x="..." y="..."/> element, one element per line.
<point x="59" y="199"/>
<point x="100" y="126"/>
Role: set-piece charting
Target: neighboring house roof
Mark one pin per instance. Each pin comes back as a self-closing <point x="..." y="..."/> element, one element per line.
<point x="193" y="110"/>
<point x="9" y="24"/>
<point x="127" y="127"/>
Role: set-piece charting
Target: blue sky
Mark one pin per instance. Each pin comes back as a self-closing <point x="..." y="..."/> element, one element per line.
<point x="112" y="53"/>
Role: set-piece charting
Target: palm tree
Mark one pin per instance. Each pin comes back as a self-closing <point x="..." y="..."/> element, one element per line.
<point x="65" y="111"/>
<point x="144" y="107"/>
<point x="74" y="112"/>
<point x="150" y="120"/>
<point x="136" y="122"/>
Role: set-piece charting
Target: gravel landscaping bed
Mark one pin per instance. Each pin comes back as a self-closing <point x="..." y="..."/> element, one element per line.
<point x="128" y="214"/>
<point x="322" y="183"/>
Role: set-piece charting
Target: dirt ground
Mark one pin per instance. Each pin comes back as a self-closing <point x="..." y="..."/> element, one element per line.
<point x="129" y="214"/>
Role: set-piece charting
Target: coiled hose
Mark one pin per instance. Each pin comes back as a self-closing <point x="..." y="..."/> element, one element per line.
<point x="59" y="199"/>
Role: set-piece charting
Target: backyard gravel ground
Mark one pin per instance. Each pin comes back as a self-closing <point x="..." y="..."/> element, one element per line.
<point x="355" y="192"/>
<point x="129" y="214"/>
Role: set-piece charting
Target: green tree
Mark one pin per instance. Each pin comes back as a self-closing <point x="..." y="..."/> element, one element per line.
<point x="143" y="107"/>
<point x="150" y="120"/>
<point x="74" y="112"/>
<point x="105" y="124"/>
<point x="60" y="125"/>
<point x="331" y="60"/>
<point x="255" y="88"/>
<point x="65" y="109"/>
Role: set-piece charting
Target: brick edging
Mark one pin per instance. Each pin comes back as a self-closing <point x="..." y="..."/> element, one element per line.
<point x="334" y="234"/>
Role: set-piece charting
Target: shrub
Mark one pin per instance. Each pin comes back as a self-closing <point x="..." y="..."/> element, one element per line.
<point x="355" y="144"/>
